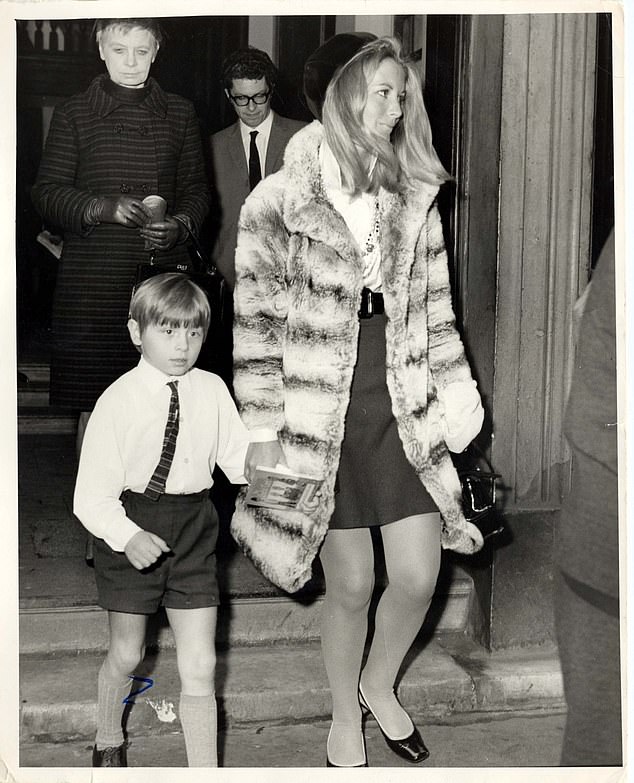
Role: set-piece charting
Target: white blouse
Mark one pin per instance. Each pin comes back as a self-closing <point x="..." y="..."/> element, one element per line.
<point x="359" y="213"/>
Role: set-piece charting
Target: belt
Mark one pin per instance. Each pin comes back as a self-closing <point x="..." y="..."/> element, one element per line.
<point x="371" y="304"/>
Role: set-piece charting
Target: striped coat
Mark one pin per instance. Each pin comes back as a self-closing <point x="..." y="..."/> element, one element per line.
<point x="298" y="283"/>
<point x="101" y="144"/>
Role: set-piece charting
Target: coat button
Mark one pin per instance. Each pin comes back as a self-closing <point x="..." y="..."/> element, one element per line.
<point x="143" y="130"/>
<point x="144" y="188"/>
<point x="124" y="188"/>
<point x="118" y="128"/>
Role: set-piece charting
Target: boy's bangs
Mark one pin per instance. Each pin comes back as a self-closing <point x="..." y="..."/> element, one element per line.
<point x="181" y="316"/>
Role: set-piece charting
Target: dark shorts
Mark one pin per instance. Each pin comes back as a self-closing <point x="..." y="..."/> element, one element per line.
<point x="375" y="483"/>
<point x="184" y="578"/>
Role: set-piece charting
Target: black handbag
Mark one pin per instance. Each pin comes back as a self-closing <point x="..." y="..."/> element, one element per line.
<point x="479" y="491"/>
<point x="201" y="269"/>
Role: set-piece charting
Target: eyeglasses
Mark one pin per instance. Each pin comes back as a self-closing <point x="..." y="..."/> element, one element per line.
<point x="244" y="100"/>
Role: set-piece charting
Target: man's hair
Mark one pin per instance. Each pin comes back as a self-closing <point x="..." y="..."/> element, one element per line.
<point x="409" y="156"/>
<point x="170" y="298"/>
<point x="248" y="63"/>
<point x="151" y="25"/>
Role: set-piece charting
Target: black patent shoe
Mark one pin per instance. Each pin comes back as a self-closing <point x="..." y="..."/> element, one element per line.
<point x="110" y="757"/>
<point x="411" y="748"/>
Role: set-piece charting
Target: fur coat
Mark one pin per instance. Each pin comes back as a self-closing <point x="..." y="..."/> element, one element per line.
<point x="299" y="275"/>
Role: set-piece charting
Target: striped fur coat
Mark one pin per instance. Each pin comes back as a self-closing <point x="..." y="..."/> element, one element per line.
<point x="298" y="284"/>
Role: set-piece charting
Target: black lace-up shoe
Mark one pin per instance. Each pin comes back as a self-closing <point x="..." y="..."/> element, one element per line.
<point x="110" y="757"/>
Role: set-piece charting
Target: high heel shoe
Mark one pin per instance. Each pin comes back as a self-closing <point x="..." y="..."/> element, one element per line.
<point x="344" y="766"/>
<point x="411" y="748"/>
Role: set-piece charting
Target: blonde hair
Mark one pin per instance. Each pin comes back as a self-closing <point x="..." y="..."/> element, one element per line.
<point x="170" y="298"/>
<point x="409" y="156"/>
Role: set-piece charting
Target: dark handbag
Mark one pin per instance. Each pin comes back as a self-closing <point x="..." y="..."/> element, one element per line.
<point x="201" y="269"/>
<point x="479" y="491"/>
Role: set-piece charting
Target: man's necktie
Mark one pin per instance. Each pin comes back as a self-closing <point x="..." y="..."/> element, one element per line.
<point x="156" y="487"/>
<point x="255" y="172"/>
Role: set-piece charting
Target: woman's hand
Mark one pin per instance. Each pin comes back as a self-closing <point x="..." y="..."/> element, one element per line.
<point x="124" y="210"/>
<point x="144" y="549"/>
<point x="162" y="235"/>
<point x="268" y="454"/>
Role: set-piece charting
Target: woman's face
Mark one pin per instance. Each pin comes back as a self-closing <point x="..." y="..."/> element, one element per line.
<point x="386" y="92"/>
<point x="128" y="54"/>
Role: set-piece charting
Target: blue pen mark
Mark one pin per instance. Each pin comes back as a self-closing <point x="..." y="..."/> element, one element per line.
<point x="150" y="682"/>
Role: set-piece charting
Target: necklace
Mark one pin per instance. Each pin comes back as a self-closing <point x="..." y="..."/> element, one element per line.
<point x="372" y="240"/>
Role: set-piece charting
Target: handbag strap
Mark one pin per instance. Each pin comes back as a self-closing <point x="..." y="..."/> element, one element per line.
<point x="479" y="452"/>
<point x="207" y="266"/>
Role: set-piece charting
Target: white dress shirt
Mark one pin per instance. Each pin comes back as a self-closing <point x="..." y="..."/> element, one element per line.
<point x="261" y="140"/>
<point x="124" y="440"/>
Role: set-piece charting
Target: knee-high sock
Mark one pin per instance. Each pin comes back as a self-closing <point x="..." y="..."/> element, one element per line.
<point x="110" y="695"/>
<point x="200" y="727"/>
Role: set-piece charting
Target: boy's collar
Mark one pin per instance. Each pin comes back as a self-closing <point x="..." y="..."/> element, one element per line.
<point x="156" y="379"/>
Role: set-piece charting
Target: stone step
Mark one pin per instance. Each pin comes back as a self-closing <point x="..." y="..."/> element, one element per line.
<point x="32" y="396"/>
<point x="37" y="373"/>
<point x="67" y="623"/>
<point x="45" y="420"/>
<point x="35" y="415"/>
<point x="33" y="393"/>
<point x="284" y="684"/>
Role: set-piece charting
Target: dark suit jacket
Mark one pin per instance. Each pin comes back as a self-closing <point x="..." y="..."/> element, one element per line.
<point x="231" y="183"/>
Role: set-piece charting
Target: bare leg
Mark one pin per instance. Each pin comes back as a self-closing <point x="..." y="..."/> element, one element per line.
<point x="195" y="633"/>
<point x="125" y="652"/>
<point x="348" y="561"/>
<point x="412" y="555"/>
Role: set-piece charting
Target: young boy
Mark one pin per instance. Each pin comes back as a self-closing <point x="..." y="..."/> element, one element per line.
<point x="142" y="490"/>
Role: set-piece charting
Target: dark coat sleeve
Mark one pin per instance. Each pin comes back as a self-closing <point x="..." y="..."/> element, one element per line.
<point x="55" y="194"/>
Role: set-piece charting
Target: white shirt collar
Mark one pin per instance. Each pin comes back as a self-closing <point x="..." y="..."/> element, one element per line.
<point x="331" y="171"/>
<point x="264" y="128"/>
<point x="155" y="379"/>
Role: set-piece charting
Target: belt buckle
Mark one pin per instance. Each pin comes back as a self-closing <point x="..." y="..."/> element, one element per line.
<point x="367" y="305"/>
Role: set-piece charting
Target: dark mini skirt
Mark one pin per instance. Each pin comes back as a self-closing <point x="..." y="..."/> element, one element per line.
<point x="375" y="483"/>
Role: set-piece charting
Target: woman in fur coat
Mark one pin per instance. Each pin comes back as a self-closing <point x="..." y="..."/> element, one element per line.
<point x="348" y="366"/>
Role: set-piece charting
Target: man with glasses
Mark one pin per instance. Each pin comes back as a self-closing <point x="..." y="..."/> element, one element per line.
<point x="250" y="149"/>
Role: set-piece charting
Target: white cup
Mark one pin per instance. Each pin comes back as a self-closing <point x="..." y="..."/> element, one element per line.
<point x="156" y="205"/>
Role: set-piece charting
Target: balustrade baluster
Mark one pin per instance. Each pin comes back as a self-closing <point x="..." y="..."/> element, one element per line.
<point x="53" y="40"/>
<point x="39" y="37"/>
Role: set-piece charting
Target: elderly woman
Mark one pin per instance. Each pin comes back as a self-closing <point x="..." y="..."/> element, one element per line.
<point x="348" y="366"/>
<point x="122" y="139"/>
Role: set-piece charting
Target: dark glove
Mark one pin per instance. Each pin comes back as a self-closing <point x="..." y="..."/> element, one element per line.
<point x="125" y="210"/>
<point x="163" y="234"/>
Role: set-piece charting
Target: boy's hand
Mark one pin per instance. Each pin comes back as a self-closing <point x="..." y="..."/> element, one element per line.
<point x="145" y="548"/>
<point x="267" y="453"/>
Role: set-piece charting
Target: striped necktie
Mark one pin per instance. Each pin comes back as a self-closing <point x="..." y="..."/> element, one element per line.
<point x="156" y="486"/>
<point x="255" y="172"/>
